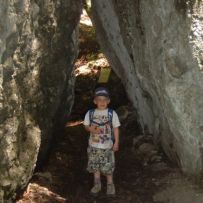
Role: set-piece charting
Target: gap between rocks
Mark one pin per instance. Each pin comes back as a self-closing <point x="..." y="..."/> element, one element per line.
<point x="143" y="173"/>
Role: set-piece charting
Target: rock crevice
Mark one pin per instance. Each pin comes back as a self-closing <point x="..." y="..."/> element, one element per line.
<point x="154" y="46"/>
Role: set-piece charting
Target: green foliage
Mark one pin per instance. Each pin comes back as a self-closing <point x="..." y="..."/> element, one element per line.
<point x="92" y="56"/>
<point x="88" y="6"/>
<point x="88" y="31"/>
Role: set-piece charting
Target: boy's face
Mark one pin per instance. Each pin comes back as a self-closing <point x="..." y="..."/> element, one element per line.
<point x="101" y="102"/>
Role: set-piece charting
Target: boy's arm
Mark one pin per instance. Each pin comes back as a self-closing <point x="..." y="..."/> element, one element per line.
<point x="92" y="129"/>
<point x="116" y="137"/>
<point x="88" y="127"/>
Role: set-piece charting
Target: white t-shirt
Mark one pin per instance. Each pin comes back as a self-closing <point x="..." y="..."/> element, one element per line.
<point x="103" y="140"/>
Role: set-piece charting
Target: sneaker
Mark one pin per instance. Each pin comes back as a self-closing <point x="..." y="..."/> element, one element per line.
<point x="110" y="190"/>
<point x="96" y="189"/>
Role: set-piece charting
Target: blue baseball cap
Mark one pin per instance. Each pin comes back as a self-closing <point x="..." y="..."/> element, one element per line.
<point x="101" y="91"/>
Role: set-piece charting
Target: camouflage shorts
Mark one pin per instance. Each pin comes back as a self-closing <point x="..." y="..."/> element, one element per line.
<point x="100" y="160"/>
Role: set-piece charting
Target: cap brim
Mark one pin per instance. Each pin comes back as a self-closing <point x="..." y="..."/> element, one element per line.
<point x="105" y="95"/>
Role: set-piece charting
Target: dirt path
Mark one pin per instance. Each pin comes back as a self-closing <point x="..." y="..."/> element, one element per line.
<point x="140" y="177"/>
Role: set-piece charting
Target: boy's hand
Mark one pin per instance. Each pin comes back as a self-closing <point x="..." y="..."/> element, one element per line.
<point x="115" y="147"/>
<point x="94" y="129"/>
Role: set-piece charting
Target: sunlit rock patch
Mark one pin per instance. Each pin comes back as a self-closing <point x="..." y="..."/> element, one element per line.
<point x="37" y="193"/>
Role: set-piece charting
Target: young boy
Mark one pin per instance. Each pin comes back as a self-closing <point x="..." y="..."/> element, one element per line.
<point x="102" y="123"/>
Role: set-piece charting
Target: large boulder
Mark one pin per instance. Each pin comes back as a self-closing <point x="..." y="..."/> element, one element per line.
<point x="38" y="46"/>
<point x="156" y="48"/>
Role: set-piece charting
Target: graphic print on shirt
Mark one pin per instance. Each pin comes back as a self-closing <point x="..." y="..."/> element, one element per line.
<point x="105" y="130"/>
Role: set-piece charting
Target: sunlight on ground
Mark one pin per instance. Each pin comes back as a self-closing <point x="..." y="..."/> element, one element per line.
<point x="37" y="193"/>
<point x="85" y="20"/>
<point x="91" y="66"/>
<point x="92" y="62"/>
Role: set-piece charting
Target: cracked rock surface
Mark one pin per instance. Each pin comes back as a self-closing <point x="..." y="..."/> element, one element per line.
<point x="156" y="49"/>
<point x="38" y="45"/>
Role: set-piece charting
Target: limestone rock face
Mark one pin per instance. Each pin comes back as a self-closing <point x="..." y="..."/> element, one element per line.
<point x="156" y="48"/>
<point x="37" y="50"/>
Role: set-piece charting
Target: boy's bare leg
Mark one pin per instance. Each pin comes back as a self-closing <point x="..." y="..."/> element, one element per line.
<point x="97" y="183"/>
<point x="109" y="179"/>
<point x="97" y="176"/>
<point x="110" y="185"/>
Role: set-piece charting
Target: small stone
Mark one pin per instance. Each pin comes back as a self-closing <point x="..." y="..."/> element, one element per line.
<point x="161" y="166"/>
<point x="47" y="175"/>
<point x="122" y="112"/>
<point x="146" y="148"/>
<point x="5" y="182"/>
<point x="155" y="158"/>
<point x="1" y="196"/>
<point x="136" y="140"/>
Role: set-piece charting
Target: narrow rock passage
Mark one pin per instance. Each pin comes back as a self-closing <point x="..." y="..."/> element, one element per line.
<point x="142" y="174"/>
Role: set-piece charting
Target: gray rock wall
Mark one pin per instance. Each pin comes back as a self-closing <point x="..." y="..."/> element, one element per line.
<point x="38" y="45"/>
<point x="156" y="48"/>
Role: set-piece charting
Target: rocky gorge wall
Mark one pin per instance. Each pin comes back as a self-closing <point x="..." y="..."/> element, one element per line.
<point x="38" y="46"/>
<point x="156" y="48"/>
